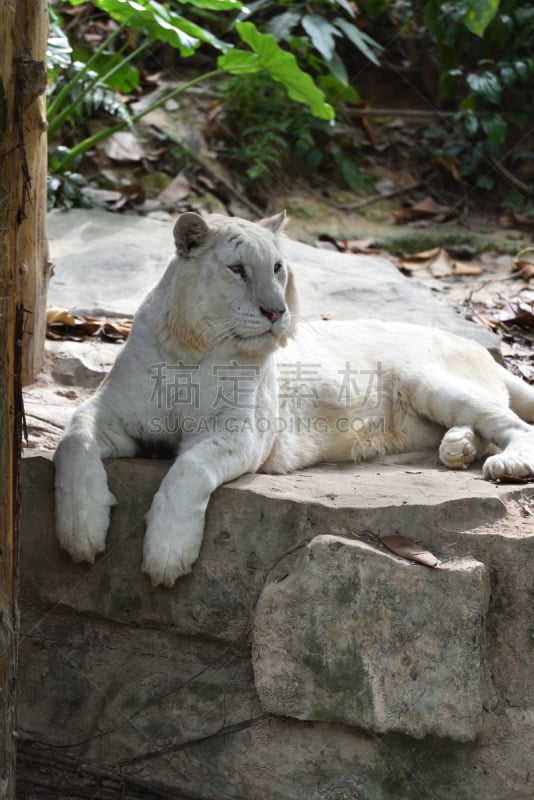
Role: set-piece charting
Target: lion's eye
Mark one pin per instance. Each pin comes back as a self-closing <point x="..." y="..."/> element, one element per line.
<point x="278" y="266"/>
<point x="238" y="269"/>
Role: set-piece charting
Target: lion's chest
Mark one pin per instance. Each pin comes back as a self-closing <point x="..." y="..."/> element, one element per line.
<point x="180" y="398"/>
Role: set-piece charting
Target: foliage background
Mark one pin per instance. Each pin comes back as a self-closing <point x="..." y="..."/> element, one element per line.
<point x="294" y="81"/>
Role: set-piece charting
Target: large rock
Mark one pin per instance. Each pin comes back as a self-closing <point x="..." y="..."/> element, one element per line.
<point x="359" y="636"/>
<point x="106" y="263"/>
<point x="80" y="363"/>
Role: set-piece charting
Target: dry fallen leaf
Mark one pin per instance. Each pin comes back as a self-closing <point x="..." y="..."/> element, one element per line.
<point x="441" y="265"/>
<point x="513" y="220"/>
<point x="463" y="268"/>
<point x="524" y="261"/>
<point x="405" y="547"/>
<point x="438" y="263"/>
<point x="59" y="316"/>
<point x="178" y="189"/>
<point x="516" y="314"/>
<point x="452" y="164"/>
<point x="61" y="324"/>
<point x="123" y="146"/>
<point x="424" y="209"/>
<point x="361" y="245"/>
<point x="116" y="330"/>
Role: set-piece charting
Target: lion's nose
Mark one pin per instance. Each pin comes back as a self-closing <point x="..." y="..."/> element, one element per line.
<point x="272" y="314"/>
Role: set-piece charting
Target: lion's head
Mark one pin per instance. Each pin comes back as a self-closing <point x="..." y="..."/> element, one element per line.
<point x="232" y="286"/>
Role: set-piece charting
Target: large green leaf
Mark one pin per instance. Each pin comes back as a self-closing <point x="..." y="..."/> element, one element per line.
<point x="239" y="62"/>
<point x="160" y="23"/>
<point x="477" y="14"/>
<point x="281" y="65"/>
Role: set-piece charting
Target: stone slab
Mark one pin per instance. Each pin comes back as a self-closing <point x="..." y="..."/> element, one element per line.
<point x="359" y="636"/>
<point x="105" y="264"/>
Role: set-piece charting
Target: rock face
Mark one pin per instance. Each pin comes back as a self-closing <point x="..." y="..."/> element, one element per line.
<point x="107" y="265"/>
<point x="300" y="660"/>
<point x="359" y="636"/>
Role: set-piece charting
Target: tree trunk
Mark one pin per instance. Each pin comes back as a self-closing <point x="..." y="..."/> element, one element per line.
<point x="23" y="275"/>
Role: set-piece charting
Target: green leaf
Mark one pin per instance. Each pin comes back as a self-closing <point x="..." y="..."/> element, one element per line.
<point x="321" y="34"/>
<point x="358" y="38"/>
<point x="238" y="62"/>
<point x="336" y="92"/>
<point x="471" y="122"/>
<point x="160" y="23"/>
<point x="281" y="25"/>
<point x="344" y="4"/>
<point x="478" y="14"/>
<point x="125" y="78"/>
<point x="359" y="183"/>
<point x="56" y="158"/>
<point x="214" y="5"/>
<point x="524" y="67"/>
<point x="485" y="182"/>
<point x="375" y="7"/>
<point x="281" y="65"/>
<point x="58" y="51"/>
<point x="508" y="74"/>
<point x="486" y="85"/>
<point x="495" y="127"/>
<point x="337" y="68"/>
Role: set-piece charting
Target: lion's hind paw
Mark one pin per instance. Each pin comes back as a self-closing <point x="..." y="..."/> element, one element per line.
<point x="459" y="447"/>
<point x="515" y="462"/>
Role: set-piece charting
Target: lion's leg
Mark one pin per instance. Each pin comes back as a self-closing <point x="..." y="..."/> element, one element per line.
<point x="521" y="396"/>
<point x="459" y="447"/>
<point x="461" y="403"/>
<point x="175" y="522"/>
<point x="517" y="458"/>
<point x="83" y="499"/>
<point x="515" y="461"/>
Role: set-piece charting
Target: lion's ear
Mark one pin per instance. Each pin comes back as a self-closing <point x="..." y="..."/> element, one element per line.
<point x="276" y="223"/>
<point x="190" y="231"/>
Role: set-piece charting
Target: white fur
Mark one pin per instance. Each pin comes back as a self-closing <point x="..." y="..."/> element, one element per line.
<point x="329" y="391"/>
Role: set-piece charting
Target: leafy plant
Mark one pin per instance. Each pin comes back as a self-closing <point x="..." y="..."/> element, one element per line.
<point x="77" y="90"/>
<point x="316" y="32"/>
<point x="268" y="137"/>
<point x="484" y="50"/>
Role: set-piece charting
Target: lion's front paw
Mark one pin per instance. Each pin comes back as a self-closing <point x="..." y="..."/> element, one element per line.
<point x="171" y="548"/>
<point x="82" y="522"/>
<point x="459" y="447"/>
<point x="83" y="500"/>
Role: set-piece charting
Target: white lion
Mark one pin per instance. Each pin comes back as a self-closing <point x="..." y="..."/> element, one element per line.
<point x="218" y="371"/>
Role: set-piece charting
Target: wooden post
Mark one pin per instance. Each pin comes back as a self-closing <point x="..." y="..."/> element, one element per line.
<point x="32" y="249"/>
<point x="23" y="271"/>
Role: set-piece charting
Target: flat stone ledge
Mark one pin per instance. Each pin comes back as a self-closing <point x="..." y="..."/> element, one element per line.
<point x="359" y="636"/>
<point x="254" y="530"/>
